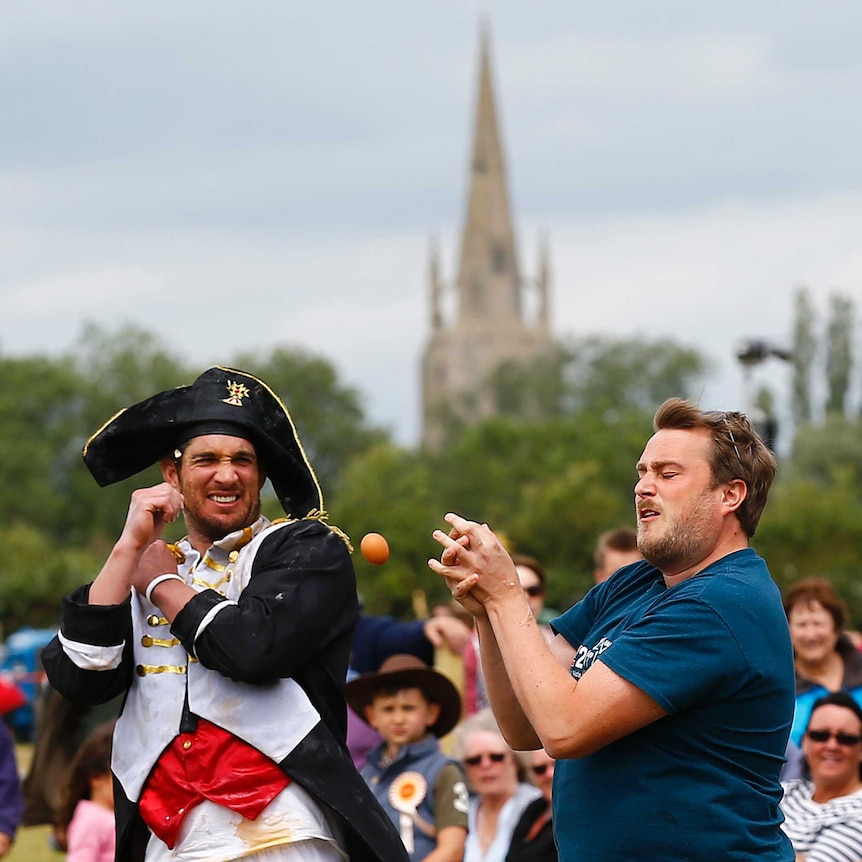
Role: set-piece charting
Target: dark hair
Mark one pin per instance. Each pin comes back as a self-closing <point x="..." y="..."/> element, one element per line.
<point x="837" y="698"/>
<point x="622" y="539"/>
<point x="737" y="453"/>
<point x="821" y="591"/>
<point x="532" y="563"/>
<point x="391" y="689"/>
<point x="93" y="758"/>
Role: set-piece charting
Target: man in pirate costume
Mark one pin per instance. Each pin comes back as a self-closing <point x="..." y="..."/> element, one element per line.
<point x="231" y="647"/>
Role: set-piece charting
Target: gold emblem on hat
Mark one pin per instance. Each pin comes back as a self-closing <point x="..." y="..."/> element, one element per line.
<point x="236" y="392"/>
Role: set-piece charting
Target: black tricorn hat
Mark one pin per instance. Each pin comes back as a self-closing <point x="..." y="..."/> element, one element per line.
<point x="408" y="671"/>
<point x="221" y="401"/>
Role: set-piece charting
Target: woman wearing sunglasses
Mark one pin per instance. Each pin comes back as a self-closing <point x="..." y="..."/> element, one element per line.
<point x="498" y="793"/>
<point x="823" y="814"/>
<point x="533" y="839"/>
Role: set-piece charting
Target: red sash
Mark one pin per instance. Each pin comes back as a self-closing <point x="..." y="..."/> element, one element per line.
<point x="207" y="764"/>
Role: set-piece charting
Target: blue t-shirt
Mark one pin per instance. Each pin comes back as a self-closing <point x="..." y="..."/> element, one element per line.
<point x="702" y="782"/>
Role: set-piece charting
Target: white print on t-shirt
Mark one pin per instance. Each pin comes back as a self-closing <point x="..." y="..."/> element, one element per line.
<point x="586" y="656"/>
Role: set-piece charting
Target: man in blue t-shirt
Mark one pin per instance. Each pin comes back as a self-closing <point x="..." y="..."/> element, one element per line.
<point x="667" y="694"/>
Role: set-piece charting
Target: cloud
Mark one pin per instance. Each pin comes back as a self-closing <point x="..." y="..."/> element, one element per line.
<point x="236" y="176"/>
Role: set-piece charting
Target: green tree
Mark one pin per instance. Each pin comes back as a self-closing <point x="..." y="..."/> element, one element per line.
<point x="608" y="375"/>
<point x="116" y="368"/>
<point x="824" y="451"/>
<point x="34" y="574"/>
<point x="388" y="490"/>
<point x="839" y="352"/>
<point x="814" y="529"/>
<point x="534" y="391"/>
<point x="804" y="353"/>
<point x="328" y="414"/>
<point x="40" y="420"/>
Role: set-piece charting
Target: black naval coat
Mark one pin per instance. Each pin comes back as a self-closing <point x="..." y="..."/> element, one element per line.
<point x="295" y="618"/>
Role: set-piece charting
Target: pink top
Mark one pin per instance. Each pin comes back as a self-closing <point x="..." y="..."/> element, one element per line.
<point x="90" y="835"/>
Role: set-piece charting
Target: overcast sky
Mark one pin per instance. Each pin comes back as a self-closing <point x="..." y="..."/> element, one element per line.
<point x="241" y="175"/>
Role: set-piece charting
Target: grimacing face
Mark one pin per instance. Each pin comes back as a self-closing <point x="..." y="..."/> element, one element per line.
<point x="220" y="479"/>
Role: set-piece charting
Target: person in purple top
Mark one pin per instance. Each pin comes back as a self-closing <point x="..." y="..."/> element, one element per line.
<point x="11" y="802"/>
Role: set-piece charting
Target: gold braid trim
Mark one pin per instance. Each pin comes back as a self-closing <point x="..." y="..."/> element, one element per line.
<point x="178" y="554"/>
<point x="322" y="516"/>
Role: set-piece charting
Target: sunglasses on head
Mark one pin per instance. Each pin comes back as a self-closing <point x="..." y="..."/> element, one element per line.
<point x="846" y="739"/>
<point x="494" y="757"/>
<point x="535" y="590"/>
<point x="721" y="416"/>
<point x="541" y="769"/>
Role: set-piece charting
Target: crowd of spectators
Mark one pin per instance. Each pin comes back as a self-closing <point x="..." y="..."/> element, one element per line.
<point x="506" y="795"/>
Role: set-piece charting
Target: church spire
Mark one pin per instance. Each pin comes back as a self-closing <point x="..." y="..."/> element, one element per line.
<point x="488" y="282"/>
<point x="489" y="328"/>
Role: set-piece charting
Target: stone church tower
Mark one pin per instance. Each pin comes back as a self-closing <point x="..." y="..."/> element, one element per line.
<point x="490" y="322"/>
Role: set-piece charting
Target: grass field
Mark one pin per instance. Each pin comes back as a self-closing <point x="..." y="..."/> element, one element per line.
<point x="31" y="845"/>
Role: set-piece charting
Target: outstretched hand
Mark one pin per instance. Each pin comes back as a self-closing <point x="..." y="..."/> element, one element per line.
<point x="477" y="568"/>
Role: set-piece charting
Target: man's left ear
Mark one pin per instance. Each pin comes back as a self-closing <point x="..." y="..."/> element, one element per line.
<point x="170" y="472"/>
<point x="735" y="493"/>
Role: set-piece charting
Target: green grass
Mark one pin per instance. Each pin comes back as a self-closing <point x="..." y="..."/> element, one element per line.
<point x="31" y="845"/>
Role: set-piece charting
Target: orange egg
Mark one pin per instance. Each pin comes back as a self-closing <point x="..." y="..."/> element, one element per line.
<point x="374" y="548"/>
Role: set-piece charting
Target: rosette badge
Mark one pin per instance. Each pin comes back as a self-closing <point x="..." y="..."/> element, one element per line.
<point x="405" y="795"/>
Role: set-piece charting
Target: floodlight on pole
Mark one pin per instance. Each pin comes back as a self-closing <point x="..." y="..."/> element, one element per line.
<point x="750" y="353"/>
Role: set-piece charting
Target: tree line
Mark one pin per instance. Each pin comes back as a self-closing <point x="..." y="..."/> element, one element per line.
<point x="554" y="470"/>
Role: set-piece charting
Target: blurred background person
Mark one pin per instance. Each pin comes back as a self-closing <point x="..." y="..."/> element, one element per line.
<point x="823" y="814"/>
<point x="533" y="838"/>
<point x="533" y="579"/>
<point x="499" y="790"/>
<point x="85" y="821"/>
<point x="615" y="549"/>
<point x="825" y="658"/>
<point x="11" y="803"/>
<point x="378" y="637"/>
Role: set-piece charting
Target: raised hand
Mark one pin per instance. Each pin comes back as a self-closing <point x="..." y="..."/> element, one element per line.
<point x="476" y="566"/>
<point x="149" y="510"/>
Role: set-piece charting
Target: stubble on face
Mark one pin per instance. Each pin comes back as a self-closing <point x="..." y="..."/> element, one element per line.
<point x="216" y="528"/>
<point x="684" y="538"/>
<point x="202" y="482"/>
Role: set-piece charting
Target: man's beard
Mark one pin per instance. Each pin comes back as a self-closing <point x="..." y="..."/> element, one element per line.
<point x="216" y="528"/>
<point x="681" y="542"/>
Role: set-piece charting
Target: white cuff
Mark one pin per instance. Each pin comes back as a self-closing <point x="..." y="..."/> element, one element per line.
<point x="211" y="614"/>
<point x="90" y="656"/>
<point x="160" y="579"/>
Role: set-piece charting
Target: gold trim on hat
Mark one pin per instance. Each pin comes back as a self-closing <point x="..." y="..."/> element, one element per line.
<point x="292" y="428"/>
